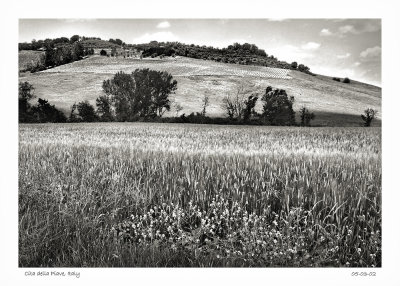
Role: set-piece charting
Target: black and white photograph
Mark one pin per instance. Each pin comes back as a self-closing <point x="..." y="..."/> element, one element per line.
<point x="200" y="143"/>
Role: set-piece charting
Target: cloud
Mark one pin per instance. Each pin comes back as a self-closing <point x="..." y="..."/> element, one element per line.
<point x="345" y="56"/>
<point x="163" y="25"/>
<point x="347" y="29"/>
<point x="159" y="36"/>
<point x="365" y="28"/>
<point x="325" y="32"/>
<point x="278" y="19"/>
<point x="311" y="46"/>
<point x="371" y="53"/>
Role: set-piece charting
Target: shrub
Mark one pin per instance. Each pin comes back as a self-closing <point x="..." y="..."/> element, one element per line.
<point x="346" y="80"/>
<point x="368" y="116"/>
<point x="306" y="116"/>
<point x="103" y="53"/>
<point x="336" y="79"/>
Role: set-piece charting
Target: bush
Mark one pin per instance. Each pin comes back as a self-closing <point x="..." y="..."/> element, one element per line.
<point x="103" y="53"/>
<point x="368" y="116"/>
<point x="336" y="79"/>
<point x="306" y="116"/>
<point x="346" y="80"/>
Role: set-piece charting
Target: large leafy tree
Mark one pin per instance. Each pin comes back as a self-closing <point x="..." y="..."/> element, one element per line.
<point x="277" y="107"/>
<point x="144" y="93"/>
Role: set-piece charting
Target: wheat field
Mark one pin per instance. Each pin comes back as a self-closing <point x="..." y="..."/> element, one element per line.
<point x="152" y="195"/>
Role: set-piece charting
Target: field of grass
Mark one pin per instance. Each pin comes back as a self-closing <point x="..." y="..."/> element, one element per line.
<point x="137" y="194"/>
<point x="334" y="103"/>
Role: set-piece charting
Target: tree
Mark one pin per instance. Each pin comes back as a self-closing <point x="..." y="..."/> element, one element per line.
<point x="277" y="107"/>
<point x="144" y="93"/>
<point x="113" y="52"/>
<point x="303" y="68"/>
<point x="368" y="116"/>
<point x="25" y="94"/>
<point x="103" y="53"/>
<point x="306" y="116"/>
<point x="178" y="108"/>
<point x="234" y="105"/>
<point x="205" y="103"/>
<point x="77" y="51"/>
<point x="294" y="65"/>
<point x="250" y="104"/>
<point x="104" y="108"/>
<point x="346" y="80"/>
<point x="74" y="39"/>
<point x="73" y="116"/>
<point x="45" y="112"/>
<point x="86" y="111"/>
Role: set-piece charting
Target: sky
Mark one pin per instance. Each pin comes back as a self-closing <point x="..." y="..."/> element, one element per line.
<point x="333" y="47"/>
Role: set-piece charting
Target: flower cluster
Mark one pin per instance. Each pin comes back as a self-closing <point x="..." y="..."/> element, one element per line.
<point x="226" y="230"/>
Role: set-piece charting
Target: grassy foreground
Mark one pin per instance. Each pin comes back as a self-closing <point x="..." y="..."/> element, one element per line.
<point x="154" y="195"/>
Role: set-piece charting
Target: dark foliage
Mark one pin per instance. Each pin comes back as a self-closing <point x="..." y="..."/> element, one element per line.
<point x="104" y="108"/>
<point x="40" y="113"/>
<point x="245" y="54"/>
<point x="368" y="116"/>
<point x="277" y="107"/>
<point x="103" y="53"/>
<point x="336" y="79"/>
<point x="346" y="80"/>
<point x="86" y="112"/>
<point x="74" y="39"/>
<point x="117" y="42"/>
<point x="306" y="116"/>
<point x="45" y="112"/>
<point x="144" y="93"/>
<point x="25" y="94"/>
<point x="250" y="104"/>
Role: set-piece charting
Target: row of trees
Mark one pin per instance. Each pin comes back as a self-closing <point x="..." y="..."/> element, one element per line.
<point x="59" y="56"/>
<point x="277" y="108"/>
<point x="36" y="45"/>
<point x="246" y="54"/>
<point x="144" y="94"/>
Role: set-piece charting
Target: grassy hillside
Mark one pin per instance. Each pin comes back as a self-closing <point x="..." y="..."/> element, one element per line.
<point x="334" y="103"/>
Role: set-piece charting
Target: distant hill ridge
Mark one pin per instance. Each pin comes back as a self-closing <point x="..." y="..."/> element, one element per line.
<point x="244" y="54"/>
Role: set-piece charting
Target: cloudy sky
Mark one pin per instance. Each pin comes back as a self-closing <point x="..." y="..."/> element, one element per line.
<point x="333" y="47"/>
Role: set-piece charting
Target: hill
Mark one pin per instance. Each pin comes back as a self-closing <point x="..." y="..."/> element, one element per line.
<point x="334" y="103"/>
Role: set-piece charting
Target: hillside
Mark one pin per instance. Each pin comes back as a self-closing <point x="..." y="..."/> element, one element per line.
<point x="334" y="103"/>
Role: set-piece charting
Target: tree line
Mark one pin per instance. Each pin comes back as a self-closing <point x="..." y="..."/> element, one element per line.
<point x="143" y="95"/>
<point x="245" y="54"/>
